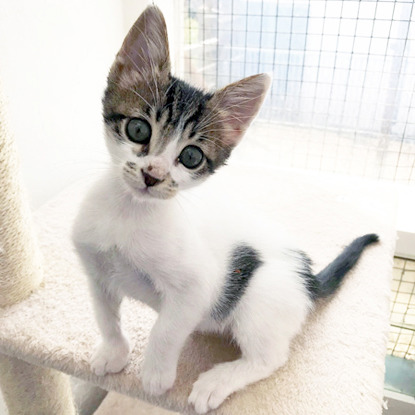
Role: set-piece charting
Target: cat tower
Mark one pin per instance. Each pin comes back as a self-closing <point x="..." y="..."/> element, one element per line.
<point x="47" y="329"/>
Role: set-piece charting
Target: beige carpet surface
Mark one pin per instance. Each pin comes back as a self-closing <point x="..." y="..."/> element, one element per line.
<point x="336" y="365"/>
<point x="116" y="403"/>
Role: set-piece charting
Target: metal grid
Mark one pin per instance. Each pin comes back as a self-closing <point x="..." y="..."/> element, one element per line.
<point x="402" y="334"/>
<point x="343" y="76"/>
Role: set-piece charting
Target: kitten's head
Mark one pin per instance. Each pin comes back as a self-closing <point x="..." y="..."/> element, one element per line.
<point x="163" y="134"/>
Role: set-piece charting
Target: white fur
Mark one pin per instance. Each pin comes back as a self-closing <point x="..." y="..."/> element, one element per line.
<point x="173" y="255"/>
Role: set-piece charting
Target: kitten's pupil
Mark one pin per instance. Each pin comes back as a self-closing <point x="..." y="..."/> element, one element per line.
<point x="139" y="131"/>
<point x="191" y="157"/>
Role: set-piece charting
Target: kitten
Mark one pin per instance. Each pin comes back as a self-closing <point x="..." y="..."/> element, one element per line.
<point x="201" y="268"/>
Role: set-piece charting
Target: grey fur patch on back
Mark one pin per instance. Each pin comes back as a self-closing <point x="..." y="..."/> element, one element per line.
<point x="306" y="273"/>
<point x="243" y="263"/>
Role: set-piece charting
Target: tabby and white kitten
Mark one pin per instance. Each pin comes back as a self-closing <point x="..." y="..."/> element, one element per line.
<point x="199" y="268"/>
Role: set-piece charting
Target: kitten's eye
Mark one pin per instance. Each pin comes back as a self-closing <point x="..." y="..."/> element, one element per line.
<point x="191" y="157"/>
<point x="139" y="131"/>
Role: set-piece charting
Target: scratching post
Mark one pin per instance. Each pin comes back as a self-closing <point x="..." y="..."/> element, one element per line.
<point x="27" y="389"/>
<point x="34" y="390"/>
<point x="20" y="265"/>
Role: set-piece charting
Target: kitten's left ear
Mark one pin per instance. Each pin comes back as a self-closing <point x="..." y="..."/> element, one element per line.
<point x="238" y="104"/>
<point x="145" y="49"/>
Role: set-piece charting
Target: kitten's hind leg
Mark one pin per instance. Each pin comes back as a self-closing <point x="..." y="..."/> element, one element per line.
<point x="263" y="352"/>
<point x="215" y="385"/>
<point x="263" y="326"/>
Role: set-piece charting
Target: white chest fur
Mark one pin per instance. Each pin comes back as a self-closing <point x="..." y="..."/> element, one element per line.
<point x="159" y="238"/>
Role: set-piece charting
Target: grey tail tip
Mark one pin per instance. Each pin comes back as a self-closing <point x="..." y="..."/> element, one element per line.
<point x="329" y="279"/>
<point x="370" y="238"/>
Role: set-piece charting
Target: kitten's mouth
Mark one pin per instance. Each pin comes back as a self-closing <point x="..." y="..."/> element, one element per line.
<point x="140" y="190"/>
<point x="135" y="187"/>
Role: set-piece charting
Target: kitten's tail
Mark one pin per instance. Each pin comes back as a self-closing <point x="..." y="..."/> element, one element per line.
<point x="329" y="279"/>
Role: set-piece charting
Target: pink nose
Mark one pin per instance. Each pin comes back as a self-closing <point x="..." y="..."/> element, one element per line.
<point x="149" y="180"/>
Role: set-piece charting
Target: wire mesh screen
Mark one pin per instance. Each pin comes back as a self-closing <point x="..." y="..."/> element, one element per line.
<point x="342" y="97"/>
<point x="402" y="331"/>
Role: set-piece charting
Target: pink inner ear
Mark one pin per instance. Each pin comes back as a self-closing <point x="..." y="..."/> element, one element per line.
<point x="240" y="103"/>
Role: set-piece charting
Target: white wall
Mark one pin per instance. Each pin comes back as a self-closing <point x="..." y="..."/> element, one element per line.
<point x="55" y="56"/>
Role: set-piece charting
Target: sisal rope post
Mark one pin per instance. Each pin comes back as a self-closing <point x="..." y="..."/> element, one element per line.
<point x="34" y="390"/>
<point x="20" y="262"/>
<point x="27" y="389"/>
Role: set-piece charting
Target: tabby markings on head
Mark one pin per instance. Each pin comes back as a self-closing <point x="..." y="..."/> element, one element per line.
<point x="142" y="93"/>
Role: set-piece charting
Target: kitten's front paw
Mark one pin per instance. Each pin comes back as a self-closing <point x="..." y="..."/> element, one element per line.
<point x="208" y="392"/>
<point x="110" y="357"/>
<point x="156" y="381"/>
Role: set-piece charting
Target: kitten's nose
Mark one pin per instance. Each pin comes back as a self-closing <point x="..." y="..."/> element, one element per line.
<point x="149" y="180"/>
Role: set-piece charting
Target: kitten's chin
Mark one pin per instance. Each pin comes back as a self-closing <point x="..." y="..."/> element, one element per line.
<point x="155" y="194"/>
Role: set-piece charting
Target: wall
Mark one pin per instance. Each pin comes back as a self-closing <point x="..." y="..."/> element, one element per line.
<point x="55" y="57"/>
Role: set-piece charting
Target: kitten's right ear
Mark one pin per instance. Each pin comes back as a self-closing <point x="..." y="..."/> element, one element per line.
<point x="145" y="50"/>
<point x="238" y="104"/>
